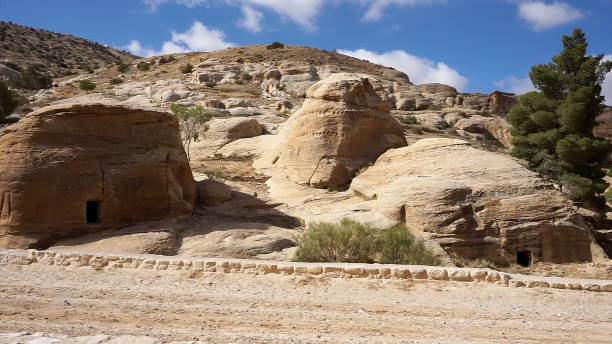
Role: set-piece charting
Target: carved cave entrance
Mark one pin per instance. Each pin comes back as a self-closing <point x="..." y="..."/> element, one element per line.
<point x="523" y="258"/>
<point x="92" y="211"/>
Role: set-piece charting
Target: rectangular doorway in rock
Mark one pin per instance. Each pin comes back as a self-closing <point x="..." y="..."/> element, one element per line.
<point x="523" y="258"/>
<point x="92" y="211"/>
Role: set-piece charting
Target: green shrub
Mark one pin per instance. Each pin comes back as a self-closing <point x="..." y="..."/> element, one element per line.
<point x="247" y="77"/>
<point x="417" y="129"/>
<point x="408" y="120"/>
<point x="34" y="78"/>
<point x="348" y="241"/>
<point x="353" y="242"/>
<point x="275" y="45"/>
<point x="188" y="68"/>
<point x="166" y="59"/>
<point x="123" y="67"/>
<point x="13" y="66"/>
<point x="396" y="245"/>
<point x="143" y="66"/>
<point x="115" y="81"/>
<point x="210" y="84"/>
<point x="7" y="100"/>
<point x="86" y="85"/>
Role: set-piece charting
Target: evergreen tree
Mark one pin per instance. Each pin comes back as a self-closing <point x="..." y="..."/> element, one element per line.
<point x="553" y="128"/>
<point x="7" y="101"/>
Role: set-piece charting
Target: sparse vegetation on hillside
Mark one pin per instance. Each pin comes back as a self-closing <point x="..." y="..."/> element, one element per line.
<point x="166" y="59"/>
<point x="7" y="101"/>
<point x="188" y="68"/>
<point x="58" y="54"/>
<point x="354" y="242"/>
<point x="143" y="66"/>
<point x="275" y="45"/>
<point x="192" y="120"/>
<point x="34" y="78"/>
<point x="86" y="85"/>
<point x="115" y="81"/>
<point x="553" y="128"/>
<point x="123" y="67"/>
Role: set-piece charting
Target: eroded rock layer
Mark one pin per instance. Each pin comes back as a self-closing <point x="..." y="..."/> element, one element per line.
<point x="70" y="169"/>
<point x="342" y="126"/>
<point x="476" y="203"/>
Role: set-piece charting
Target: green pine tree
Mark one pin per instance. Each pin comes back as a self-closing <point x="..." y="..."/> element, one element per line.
<point x="553" y="128"/>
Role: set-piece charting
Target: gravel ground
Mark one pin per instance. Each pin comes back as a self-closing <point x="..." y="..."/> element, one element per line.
<point x="50" y="302"/>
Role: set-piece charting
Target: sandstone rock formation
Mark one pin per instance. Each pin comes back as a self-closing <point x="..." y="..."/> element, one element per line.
<point x="491" y="127"/>
<point x="342" y="126"/>
<point x="69" y="169"/>
<point x="604" y="126"/>
<point x="501" y="102"/>
<point x="477" y="203"/>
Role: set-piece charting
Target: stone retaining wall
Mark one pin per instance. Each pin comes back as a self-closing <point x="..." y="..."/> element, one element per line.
<point x="335" y="270"/>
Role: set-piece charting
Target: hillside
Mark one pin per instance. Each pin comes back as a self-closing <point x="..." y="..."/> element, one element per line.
<point x="269" y="104"/>
<point x="59" y="54"/>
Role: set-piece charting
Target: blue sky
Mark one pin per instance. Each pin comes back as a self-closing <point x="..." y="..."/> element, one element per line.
<point x="474" y="45"/>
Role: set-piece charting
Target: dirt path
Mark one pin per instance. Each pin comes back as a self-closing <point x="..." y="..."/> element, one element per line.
<point x="242" y="308"/>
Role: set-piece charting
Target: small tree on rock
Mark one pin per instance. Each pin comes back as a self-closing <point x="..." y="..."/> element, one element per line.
<point x="7" y="101"/>
<point x="192" y="120"/>
<point x="553" y="128"/>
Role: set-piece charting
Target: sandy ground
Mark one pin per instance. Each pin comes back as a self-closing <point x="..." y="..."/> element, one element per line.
<point x="243" y="308"/>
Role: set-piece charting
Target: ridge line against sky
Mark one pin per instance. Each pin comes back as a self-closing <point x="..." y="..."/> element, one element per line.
<point x="473" y="45"/>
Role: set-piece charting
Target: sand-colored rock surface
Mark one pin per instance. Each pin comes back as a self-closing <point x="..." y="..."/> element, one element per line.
<point x="479" y="203"/>
<point x="70" y="169"/>
<point x="342" y="126"/>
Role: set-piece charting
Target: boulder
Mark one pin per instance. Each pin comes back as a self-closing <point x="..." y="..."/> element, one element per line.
<point x="501" y="102"/>
<point x="492" y="127"/>
<point x="223" y="131"/>
<point x="236" y="102"/>
<point x="436" y="88"/>
<point x="475" y="101"/>
<point x="342" y="126"/>
<point x="212" y="193"/>
<point x="71" y="168"/>
<point x="453" y="117"/>
<point x="476" y="203"/>
<point x="604" y="125"/>
<point x="432" y="120"/>
<point x="232" y="238"/>
<point x="283" y="106"/>
<point x="214" y="103"/>
<point x="272" y="74"/>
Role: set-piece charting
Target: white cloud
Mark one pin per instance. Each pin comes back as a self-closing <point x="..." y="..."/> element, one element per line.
<point x="302" y="12"/>
<point x="606" y="87"/>
<point x="197" y="38"/>
<point x="543" y="16"/>
<point x="418" y="69"/>
<point x="515" y="85"/>
<point x="376" y="7"/>
<point x="154" y="4"/>
<point x="252" y="19"/>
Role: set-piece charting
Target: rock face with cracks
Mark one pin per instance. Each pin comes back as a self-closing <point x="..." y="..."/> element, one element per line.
<point x="342" y="126"/>
<point x="476" y="203"/>
<point x="70" y="169"/>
